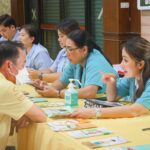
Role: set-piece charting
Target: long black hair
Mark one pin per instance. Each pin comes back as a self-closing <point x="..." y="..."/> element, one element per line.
<point x="82" y="38"/>
<point x="139" y="49"/>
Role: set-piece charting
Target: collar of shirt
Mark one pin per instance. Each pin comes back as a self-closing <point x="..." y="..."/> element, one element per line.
<point x="64" y="52"/>
<point x="2" y="76"/>
<point x="16" y="36"/>
<point x="31" y="52"/>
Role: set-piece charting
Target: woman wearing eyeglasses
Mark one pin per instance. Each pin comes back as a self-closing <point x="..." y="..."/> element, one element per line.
<point x="53" y="73"/>
<point x="86" y="62"/>
<point x="135" y="84"/>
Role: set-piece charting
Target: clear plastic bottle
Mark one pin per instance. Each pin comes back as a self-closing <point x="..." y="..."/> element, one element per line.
<point x="71" y="95"/>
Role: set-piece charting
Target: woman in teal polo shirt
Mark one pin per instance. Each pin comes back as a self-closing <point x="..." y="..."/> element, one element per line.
<point x="135" y="84"/>
<point x="86" y="62"/>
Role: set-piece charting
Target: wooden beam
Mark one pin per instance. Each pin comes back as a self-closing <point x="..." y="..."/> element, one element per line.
<point x="50" y="26"/>
<point x="17" y="11"/>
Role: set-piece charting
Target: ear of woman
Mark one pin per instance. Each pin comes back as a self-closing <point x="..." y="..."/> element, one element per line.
<point x="141" y="64"/>
<point x="32" y="38"/>
<point x="85" y="50"/>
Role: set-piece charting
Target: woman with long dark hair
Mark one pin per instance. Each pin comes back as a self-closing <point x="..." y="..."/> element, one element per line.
<point x="86" y="62"/>
<point x="135" y="85"/>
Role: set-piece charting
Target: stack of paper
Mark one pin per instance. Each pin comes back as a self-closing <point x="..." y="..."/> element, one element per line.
<point x="38" y="100"/>
<point x="106" y="142"/>
<point x="57" y="112"/>
<point x="89" y="132"/>
<point x="139" y="147"/>
<point x="67" y="125"/>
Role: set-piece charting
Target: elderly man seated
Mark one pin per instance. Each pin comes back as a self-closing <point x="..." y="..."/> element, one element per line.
<point x="13" y="104"/>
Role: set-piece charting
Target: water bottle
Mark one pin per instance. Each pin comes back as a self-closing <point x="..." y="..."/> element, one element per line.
<point x="71" y="95"/>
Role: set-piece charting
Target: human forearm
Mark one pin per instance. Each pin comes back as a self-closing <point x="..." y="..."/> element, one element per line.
<point x="35" y="74"/>
<point x="113" y="112"/>
<point x="88" y="92"/>
<point x="51" y="77"/>
<point x="110" y="81"/>
<point x="35" y="114"/>
<point x="123" y="111"/>
<point x="111" y="91"/>
<point x="58" y="85"/>
<point x="53" y="90"/>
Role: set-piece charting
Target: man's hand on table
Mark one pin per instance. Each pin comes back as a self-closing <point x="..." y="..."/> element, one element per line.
<point x="21" y="123"/>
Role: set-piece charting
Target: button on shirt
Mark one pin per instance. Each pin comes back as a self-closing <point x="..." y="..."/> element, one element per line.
<point x="60" y="62"/>
<point x="127" y="87"/>
<point x="90" y="74"/>
<point x="38" y="58"/>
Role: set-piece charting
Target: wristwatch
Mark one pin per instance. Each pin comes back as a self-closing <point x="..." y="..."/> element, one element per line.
<point x="58" y="94"/>
<point x="98" y="113"/>
<point x="40" y="76"/>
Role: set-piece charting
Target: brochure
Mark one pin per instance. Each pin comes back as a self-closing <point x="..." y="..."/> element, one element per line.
<point x="139" y="147"/>
<point x="57" y="112"/>
<point x="89" y="132"/>
<point x="68" y="125"/>
<point x="38" y="100"/>
<point x="52" y="104"/>
<point x="106" y="142"/>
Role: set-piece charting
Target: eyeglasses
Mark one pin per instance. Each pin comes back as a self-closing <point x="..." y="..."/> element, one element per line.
<point x="70" y="49"/>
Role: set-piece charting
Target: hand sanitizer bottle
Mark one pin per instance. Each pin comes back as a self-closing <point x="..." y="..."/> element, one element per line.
<point x="71" y="95"/>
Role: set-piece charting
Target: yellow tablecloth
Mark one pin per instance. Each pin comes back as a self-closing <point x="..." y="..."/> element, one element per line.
<point x="41" y="137"/>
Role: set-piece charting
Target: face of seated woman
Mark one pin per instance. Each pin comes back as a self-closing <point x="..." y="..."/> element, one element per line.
<point x="76" y="55"/>
<point x="62" y="39"/>
<point x="25" y="38"/>
<point x="131" y="67"/>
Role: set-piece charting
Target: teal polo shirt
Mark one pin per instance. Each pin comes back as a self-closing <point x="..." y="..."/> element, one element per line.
<point x="126" y="87"/>
<point x="90" y="73"/>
